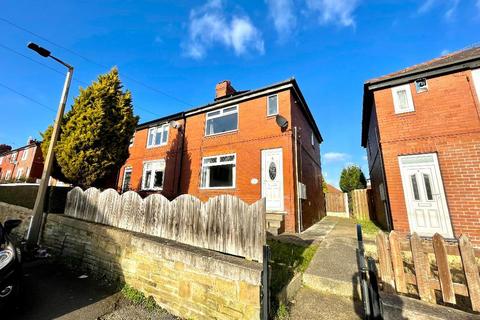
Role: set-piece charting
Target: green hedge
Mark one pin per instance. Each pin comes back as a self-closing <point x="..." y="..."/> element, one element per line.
<point x="24" y="196"/>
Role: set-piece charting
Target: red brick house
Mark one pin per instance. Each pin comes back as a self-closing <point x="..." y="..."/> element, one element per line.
<point x="244" y="144"/>
<point x="23" y="164"/>
<point x="421" y="128"/>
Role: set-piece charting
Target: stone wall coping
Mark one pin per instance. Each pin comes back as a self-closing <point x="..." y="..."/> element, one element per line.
<point x="15" y="207"/>
<point x="204" y="260"/>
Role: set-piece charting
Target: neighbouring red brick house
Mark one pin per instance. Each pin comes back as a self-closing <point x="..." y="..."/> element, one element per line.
<point x="421" y="128"/>
<point x="243" y="144"/>
<point x="23" y="164"/>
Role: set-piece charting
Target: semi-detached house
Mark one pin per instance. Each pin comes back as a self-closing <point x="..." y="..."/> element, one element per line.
<point x="421" y="128"/>
<point x="251" y="144"/>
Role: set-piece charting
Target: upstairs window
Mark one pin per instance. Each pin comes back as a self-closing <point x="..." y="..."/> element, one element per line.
<point x="25" y="155"/>
<point x="157" y="136"/>
<point x="402" y="99"/>
<point x="1" y="160"/>
<point x="221" y="121"/>
<point x="272" y="105"/>
<point x="312" y="139"/>
<point x="131" y="140"/>
<point x="153" y="175"/>
<point x="476" y="81"/>
<point x="219" y="172"/>
<point x="13" y="157"/>
<point x="127" y="176"/>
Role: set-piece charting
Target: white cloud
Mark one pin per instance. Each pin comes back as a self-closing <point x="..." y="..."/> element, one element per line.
<point x="336" y="157"/>
<point x="282" y="14"/>
<point x="426" y="6"/>
<point x="365" y="158"/>
<point x="334" y="11"/>
<point x="209" y="25"/>
<point x="452" y="9"/>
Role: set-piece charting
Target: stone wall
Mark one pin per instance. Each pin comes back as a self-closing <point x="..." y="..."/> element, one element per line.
<point x="10" y="211"/>
<point x="187" y="281"/>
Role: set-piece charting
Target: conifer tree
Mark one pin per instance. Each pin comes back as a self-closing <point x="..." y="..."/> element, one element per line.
<point x="95" y="133"/>
<point x="352" y="178"/>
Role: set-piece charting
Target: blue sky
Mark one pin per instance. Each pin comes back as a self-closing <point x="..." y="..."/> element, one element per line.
<point x="171" y="54"/>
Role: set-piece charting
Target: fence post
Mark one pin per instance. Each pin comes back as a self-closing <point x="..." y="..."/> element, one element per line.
<point x="386" y="271"/>
<point x="471" y="271"/>
<point x="345" y="199"/>
<point x="362" y="273"/>
<point x="397" y="262"/>
<point x="266" y="283"/>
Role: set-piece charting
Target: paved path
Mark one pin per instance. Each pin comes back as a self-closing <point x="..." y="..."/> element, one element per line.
<point x="314" y="234"/>
<point x="330" y="282"/>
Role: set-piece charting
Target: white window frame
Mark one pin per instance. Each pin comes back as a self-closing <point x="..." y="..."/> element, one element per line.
<point x="13" y="157"/>
<point x="8" y="174"/>
<point x="133" y="140"/>
<point x="27" y="175"/>
<point x="1" y="160"/>
<point x="162" y="131"/>
<point x="476" y="82"/>
<point x="268" y="106"/>
<point x="221" y="113"/>
<point x="207" y="176"/>
<point x="162" y="167"/>
<point x="19" y="173"/>
<point x="312" y="139"/>
<point x="396" y="103"/>
<point x="25" y="154"/>
<point x="127" y="169"/>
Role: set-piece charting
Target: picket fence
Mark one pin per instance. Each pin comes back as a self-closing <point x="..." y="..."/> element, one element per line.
<point x="396" y="279"/>
<point x="223" y="223"/>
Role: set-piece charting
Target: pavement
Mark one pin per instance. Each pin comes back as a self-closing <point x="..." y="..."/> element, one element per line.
<point x="49" y="291"/>
<point x="330" y="286"/>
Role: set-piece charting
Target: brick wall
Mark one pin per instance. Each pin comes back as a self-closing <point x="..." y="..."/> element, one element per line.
<point x="446" y="121"/>
<point x="33" y="164"/>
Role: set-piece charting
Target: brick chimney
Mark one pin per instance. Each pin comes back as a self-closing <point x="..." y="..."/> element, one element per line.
<point x="223" y="89"/>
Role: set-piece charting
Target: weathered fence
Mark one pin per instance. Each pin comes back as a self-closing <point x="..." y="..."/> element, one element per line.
<point x="337" y="204"/>
<point x="360" y="204"/>
<point x="429" y="274"/>
<point x="223" y="223"/>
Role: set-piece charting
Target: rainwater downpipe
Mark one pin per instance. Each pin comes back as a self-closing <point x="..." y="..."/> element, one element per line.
<point x="299" y="201"/>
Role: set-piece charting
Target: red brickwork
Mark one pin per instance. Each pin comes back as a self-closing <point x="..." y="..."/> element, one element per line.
<point x="256" y="132"/>
<point x="31" y="165"/>
<point x="446" y="121"/>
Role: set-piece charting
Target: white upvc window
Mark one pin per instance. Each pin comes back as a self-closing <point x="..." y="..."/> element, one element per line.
<point x="219" y="172"/>
<point x="13" y="157"/>
<point x="1" y="160"/>
<point x="312" y="139"/>
<point x="8" y="175"/>
<point x="153" y="175"/>
<point x="127" y="176"/>
<point x="476" y="81"/>
<point x="402" y="99"/>
<point x="157" y="136"/>
<point x="132" y="140"/>
<point x="19" y="173"/>
<point x="27" y="175"/>
<point x="221" y="121"/>
<point x="272" y="105"/>
<point x="25" y="154"/>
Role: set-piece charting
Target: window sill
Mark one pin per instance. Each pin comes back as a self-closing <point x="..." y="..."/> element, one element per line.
<point x="217" y="188"/>
<point x="410" y="112"/>
<point x="271" y="116"/>
<point x="157" y="146"/>
<point x="221" y="134"/>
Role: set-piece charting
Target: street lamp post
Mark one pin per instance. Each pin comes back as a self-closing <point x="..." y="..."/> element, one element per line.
<point x="36" y="223"/>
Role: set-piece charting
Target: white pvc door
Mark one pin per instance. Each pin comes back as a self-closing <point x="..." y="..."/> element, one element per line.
<point x="424" y="195"/>
<point x="272" y="179"/>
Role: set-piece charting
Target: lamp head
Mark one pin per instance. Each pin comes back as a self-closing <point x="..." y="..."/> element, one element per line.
<point x="41" y="51"/>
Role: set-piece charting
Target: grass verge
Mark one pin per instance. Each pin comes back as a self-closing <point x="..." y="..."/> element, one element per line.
<point x="368" y="227"/>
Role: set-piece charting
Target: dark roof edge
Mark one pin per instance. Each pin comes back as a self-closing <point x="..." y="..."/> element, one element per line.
<point x="467" y="63"/>
<point x="291" y="80"/>
<point x="21" y="148"/>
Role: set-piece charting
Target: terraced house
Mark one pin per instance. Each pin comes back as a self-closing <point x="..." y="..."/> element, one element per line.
<point x="421" y="128"/>
<point x="22" y="164"/>
<point x="251" y="144"/>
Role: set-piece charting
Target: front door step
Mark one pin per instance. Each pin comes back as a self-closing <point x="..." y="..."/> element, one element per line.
<point x="274" y="221"/>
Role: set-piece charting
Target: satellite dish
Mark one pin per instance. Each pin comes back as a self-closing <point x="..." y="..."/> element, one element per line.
<point x="174" y="124"/>
<point x="281" y="121"/>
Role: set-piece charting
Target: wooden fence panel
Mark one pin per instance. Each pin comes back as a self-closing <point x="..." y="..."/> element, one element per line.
<point x="471" y="271"/>
<point x="422" y="269"/>
<point x="361" y="204"/>
<point x="444" y="274"/>
<point x="224" y="223"/>
<point x="397" y="262"/>
<point x="386" y="271"/>
<point x="335" y="202"/>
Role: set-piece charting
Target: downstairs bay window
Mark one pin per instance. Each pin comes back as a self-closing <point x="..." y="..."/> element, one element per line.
<point x="153" y="175"/>
<point x="219" y="172"/>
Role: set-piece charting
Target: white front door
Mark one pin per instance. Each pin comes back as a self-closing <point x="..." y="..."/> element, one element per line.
<point x="424" y="195"/>
<point x="272" y="179"/>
